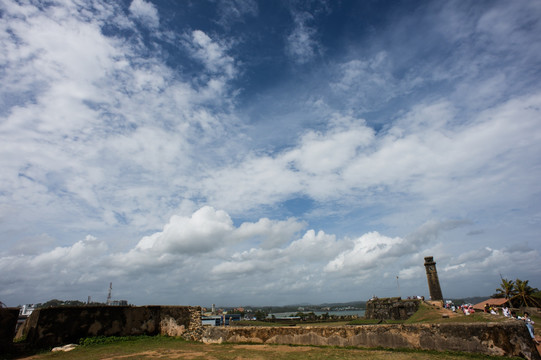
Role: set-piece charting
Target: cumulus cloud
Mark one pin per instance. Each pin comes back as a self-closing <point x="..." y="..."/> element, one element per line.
<point x="210" y="230"/>
<point x="204" y="230"/>
<point x="73" y="264"/>
<point x="320" y="153"/>
<point x="365" y="254"/>
<point x="207" y="248"/>
<point x="270" y="234"/>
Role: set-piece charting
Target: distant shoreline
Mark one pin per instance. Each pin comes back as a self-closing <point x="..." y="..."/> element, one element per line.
<point x="358" y="312"/>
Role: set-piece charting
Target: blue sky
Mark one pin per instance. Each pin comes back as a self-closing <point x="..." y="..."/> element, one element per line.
<point x="243" y="152"/>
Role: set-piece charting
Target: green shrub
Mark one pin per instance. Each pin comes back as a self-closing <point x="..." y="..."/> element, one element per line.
<point x="112" y="339"/>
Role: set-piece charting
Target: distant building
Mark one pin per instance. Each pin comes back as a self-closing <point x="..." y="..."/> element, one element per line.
<point x="24" y="313"/>
<point x="118" y="303"/>
<point x="211" y="320"/>
<point x="220" y="320"/>
<point x="26" y="310"/>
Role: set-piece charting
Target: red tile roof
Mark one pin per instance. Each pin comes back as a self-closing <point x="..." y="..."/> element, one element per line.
<point x="491" y="302"/>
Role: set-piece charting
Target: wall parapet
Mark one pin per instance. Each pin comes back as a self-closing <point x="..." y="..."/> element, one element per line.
<point x="504" y="339"/>
<point x="391" y="308"/>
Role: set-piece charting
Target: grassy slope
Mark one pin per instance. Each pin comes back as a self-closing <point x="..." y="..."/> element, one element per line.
<point x="173" y="348"/>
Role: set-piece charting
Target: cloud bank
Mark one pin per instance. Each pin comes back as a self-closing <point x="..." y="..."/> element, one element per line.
<point x="252" y="153"/>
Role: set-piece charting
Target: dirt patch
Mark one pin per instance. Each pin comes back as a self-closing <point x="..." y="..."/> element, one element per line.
<point x="443" y="311"/>
<point x="165" y="354"/>
<point x="275" y="348"/>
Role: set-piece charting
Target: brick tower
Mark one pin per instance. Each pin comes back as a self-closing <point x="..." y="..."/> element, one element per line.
<point x="432" y="277"/>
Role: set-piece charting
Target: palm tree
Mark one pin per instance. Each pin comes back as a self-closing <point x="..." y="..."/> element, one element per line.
<point x="506" y="289"/>
<point x="523" y="294"/>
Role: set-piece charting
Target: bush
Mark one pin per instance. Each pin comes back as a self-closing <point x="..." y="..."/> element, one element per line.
<point x="111" y="339"/>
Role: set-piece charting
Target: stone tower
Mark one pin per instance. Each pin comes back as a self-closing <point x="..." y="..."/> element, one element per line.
<point x="432" y="277"/>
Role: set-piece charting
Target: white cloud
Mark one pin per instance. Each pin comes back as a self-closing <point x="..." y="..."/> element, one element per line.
<point x="212" y="54"/>
<point x="62" y="265"/>
<point x="315" y="247"/>
<point x="302" y="45"/>
<point x="368" y="251"/>
<point x="270" y="234"/>
<point x="145" y="12"/>
<point x="96" y="102"/>
<point x="112" y="134"/>
<point x="236" y="10"/>
<point x="206" y="248"/>
<point x="424" y="154"/>
<point x="205" y="230"/>
<point x="321" y="153"/>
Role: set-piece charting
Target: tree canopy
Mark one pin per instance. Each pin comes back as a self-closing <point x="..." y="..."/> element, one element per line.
<point x="518" y="292"/>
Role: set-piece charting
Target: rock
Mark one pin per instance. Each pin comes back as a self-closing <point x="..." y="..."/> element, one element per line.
<point x="65" y="348"/>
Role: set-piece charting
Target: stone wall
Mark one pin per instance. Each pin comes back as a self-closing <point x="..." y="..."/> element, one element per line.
<point x="391" y="308"/>
<point x="63" y="325"/>
<point x="8" y="321"/>
<point x="505" y="339"/>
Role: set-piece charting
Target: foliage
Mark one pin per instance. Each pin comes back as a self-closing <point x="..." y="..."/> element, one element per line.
<point x="519" y="293"/>
<point x="309" y="316"/>
<point x="506" y="289"/>
<point x="56" y="303"/>
<point x="100" y="340"/>
<point x="524" y="294"/>
<point x="260" y="315"/>
<point x="236" y="311"/>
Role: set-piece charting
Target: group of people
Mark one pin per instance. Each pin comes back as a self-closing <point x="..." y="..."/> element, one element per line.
<point x="511" y="314"/>
<point x="467" y="309"/>
<point x="464" y="308"/>
<point x="494" y="310"/>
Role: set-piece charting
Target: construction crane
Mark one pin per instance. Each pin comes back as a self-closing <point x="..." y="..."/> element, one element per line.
<point x="109" y="295"/>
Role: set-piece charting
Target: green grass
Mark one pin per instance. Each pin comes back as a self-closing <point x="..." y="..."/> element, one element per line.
<point x="288" y="323"/>
<point x="259" y="323"/>
<point x="161" y="347"/>
<point x="537" y="325"/>
<point x="325" y="323"/>
<point x="373" y="322"/>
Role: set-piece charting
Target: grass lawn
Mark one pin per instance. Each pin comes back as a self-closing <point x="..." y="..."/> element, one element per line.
<point x="173" y="348"/>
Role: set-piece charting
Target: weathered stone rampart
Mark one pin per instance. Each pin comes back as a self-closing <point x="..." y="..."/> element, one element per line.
<point x="57" y="326"/>
<point x="504" y="339"/>
<point x="63" y="325"/>
<point x="391" y="308"/>
<point x="8" y="321"/>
